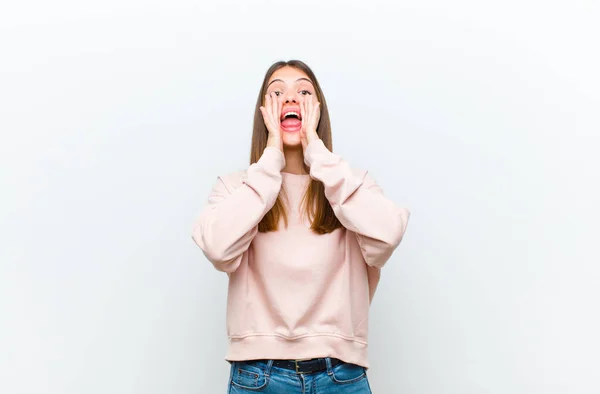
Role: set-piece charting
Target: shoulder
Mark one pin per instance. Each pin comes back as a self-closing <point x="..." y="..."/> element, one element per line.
<point x="360" y="173"/>
<point x="366" y="179"/>
<point x="232" y="180"/>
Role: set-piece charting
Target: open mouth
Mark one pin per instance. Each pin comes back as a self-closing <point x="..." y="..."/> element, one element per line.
<point x="291" y="121"/>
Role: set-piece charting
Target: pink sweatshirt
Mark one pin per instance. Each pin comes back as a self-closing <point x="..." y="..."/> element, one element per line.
<point x="294" y="294"/>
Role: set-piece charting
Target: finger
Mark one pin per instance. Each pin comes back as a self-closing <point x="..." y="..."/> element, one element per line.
<point x="274" y="105"/>
<point x="269" y="109"/>
<point x="267" y="101"/>
<point x="309" y="114"/>
<point x="305" y="118"/>
<point x="318" y="109"/>
<point x="279" y="107"/>
<point x="265" y="117"/>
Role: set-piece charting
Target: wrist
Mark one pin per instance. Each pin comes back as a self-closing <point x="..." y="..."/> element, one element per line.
<point x="272" y="158"/>
<point x="311" y="136"/>
<point x="274" y="143"/>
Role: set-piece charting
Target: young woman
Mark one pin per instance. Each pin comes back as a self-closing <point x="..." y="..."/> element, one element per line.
<point x="302" y="237"/>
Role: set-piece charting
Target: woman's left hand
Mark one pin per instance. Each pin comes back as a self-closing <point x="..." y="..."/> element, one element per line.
<point x="310" y="110"/>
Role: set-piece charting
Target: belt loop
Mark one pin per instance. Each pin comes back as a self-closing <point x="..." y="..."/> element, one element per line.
<point x="328" y="364"/>
<point x="269" y="365"/>
<point x="231" y="370"/>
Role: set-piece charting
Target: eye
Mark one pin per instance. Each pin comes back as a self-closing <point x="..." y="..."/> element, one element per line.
<point x="305" y="92"/>
<point x="277" y="93"/>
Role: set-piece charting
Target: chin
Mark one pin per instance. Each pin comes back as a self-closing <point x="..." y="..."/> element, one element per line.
<point x="292" y="141"/>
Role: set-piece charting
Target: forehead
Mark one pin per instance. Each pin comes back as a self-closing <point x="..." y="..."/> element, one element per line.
<point x="289" y="75"/>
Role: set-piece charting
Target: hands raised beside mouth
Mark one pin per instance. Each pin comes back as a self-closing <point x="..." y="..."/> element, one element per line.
<point x="270" y="112"/>
<point x="311" y="113"/>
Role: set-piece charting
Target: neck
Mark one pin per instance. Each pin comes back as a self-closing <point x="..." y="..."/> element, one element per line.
<point x="294" y="161"/>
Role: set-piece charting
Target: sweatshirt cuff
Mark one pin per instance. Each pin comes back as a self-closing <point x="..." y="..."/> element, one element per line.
<point x="272" y="159"/>
<point x="317" y="151"/>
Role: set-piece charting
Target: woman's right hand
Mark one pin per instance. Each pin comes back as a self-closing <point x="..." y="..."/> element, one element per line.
<point x="271" y="113"/>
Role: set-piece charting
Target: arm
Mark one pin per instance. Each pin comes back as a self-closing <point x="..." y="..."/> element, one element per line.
<point x="359" y="204"/>
<point x="229" y="221"/>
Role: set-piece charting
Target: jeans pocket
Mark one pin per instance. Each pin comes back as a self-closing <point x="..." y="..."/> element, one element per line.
<point x="248" y="376"/>
<point x="347" y="373"/>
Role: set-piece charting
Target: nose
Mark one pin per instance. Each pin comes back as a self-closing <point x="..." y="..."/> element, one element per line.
<point x="290" y="97"/>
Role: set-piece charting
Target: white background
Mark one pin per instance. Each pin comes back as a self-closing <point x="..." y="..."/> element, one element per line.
<point x="480" y="117"/>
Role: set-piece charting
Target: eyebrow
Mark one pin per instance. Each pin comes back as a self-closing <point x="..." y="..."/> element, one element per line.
<point x="280" y="80"/>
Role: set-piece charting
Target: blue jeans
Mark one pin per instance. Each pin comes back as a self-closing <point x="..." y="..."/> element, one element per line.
<point x="262" y="377"/>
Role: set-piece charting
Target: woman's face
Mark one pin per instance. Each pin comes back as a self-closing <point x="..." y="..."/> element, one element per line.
<point x="291" y="85"/>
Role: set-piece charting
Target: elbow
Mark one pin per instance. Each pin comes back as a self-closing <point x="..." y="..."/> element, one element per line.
<point x="223" y="264"/>
<point x="216" y="253"/>
<point x="399" y="227"/>
<point x="378" y="251"/>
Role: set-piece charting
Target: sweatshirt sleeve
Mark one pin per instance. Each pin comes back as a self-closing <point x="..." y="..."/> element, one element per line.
<point x="229" y="221"/>
<point x="359" y="204"/>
